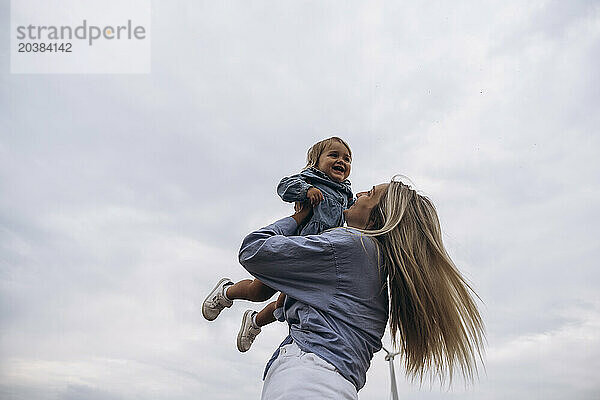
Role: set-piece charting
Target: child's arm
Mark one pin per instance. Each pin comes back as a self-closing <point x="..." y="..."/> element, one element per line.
<point x="293" y="188"/>
<point x="297" y="189"/>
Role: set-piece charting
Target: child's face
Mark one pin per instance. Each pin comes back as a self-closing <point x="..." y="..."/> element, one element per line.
<point x="335" y="162"/>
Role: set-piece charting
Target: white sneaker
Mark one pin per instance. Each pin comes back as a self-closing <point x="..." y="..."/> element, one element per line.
<point x="215" y="302"/>
<point x="247" y="332"/>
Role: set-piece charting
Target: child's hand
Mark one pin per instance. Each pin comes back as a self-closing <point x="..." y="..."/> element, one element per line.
<point x="314" y="196"/>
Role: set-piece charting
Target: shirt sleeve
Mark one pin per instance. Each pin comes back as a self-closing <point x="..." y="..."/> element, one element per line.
<point x="302" y="267"/>
<point x="279" y="314"/>
<point x="293" y="188"/>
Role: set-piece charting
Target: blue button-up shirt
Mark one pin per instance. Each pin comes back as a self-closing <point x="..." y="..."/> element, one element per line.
<point x="336" y="304"/>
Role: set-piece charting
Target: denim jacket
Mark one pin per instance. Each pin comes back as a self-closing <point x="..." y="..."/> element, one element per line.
<point x="328" y="213"/>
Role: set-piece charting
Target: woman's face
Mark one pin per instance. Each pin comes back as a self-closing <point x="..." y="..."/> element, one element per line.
<point x="357" y="216"/>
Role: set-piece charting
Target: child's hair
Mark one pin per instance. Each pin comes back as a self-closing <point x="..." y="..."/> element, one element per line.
<point x="312" y="157"/>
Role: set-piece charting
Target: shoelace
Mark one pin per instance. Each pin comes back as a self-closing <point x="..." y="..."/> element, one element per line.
<point x="214" y="302"/>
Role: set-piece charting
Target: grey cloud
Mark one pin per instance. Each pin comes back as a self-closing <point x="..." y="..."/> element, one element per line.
<point x="78" y="392"/>
<point x="125" y="197"/>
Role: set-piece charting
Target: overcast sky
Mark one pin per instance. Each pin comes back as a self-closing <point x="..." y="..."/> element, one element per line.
<point x="124" y="198"/>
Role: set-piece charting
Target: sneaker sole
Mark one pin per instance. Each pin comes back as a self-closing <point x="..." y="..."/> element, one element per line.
<point x="209" y="296"/>
<point x="247" y="315"/>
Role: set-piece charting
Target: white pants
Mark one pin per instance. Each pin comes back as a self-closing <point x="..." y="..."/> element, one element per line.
<point x="299" y="375"/>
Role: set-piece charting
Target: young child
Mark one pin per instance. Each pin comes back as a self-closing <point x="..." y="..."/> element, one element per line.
<point x="324" y="184"/>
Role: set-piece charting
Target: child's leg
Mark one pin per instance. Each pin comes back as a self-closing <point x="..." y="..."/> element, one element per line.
<point x="265" y="316"/>
<point x="280" y="300"/>
<point x="248" y="289"/>
<point x="225" y="292"/>
<point x="253" y="321"/>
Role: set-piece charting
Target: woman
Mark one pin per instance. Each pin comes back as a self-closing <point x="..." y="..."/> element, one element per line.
<point x="337" y="286"/>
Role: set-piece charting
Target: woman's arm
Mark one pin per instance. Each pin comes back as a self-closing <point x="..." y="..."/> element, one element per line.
<point x="302" y="212"/>
<point x="303" y="267"/>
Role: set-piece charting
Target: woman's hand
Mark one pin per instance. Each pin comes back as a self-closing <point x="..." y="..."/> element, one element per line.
<point x="303" y="211"/>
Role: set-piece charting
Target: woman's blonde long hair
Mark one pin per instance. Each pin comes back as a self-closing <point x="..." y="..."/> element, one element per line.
<point x="433" y="316"/>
